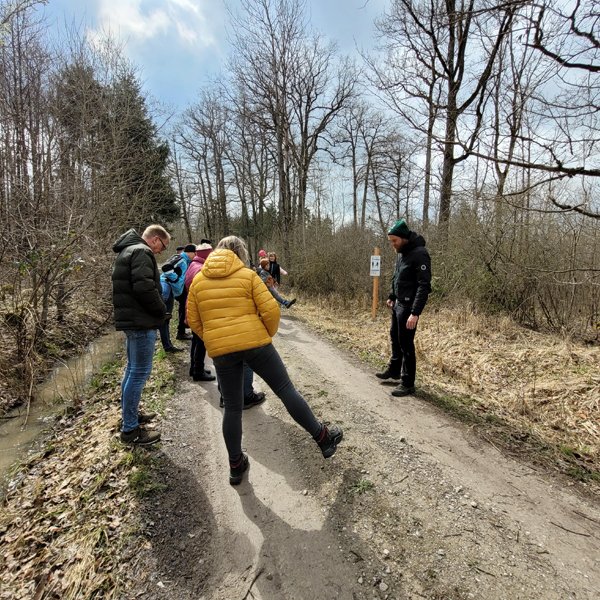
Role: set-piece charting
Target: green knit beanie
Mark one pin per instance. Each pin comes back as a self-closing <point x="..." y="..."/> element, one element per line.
<point x="400" y="229"/>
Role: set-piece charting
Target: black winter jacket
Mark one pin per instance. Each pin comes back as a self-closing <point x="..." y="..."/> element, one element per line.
<point x="137" y="291"/>
<point x="412" y="275"/>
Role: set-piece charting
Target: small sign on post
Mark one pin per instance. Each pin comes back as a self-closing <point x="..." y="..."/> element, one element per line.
<point x="375" y="265"/>
<point x="375" y="272"/>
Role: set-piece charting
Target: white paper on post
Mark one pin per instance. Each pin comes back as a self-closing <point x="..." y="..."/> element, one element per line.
<point x="375" y="266"/>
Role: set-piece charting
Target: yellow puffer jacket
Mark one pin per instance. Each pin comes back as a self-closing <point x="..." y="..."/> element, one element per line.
<point x="224" y="303"/>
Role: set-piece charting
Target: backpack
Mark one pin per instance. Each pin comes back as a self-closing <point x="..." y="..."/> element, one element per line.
<point x="174" y="262"/>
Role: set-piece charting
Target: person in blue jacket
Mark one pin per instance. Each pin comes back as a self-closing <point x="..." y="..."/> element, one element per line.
<point x="167" y="279"/>
<point x="180" y="262"/>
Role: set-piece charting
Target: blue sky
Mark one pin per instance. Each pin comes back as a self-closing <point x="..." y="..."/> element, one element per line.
<point x="179" y="44"/>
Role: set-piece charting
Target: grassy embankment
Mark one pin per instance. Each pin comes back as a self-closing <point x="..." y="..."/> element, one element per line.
<point x="73" y="505"/>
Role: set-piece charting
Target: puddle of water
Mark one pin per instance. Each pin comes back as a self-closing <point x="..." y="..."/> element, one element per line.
<point x="64" y="383"/>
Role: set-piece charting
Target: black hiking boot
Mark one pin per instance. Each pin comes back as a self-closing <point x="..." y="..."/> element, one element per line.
<point x="329" y="439"/>
<point x="387" y="374"/>
<point x="205" y="376"/>
<point x="173" y="350"/>
<point x="254" y="400"/>
<point x="236" y="472"/>
<point x="403" y="390"/>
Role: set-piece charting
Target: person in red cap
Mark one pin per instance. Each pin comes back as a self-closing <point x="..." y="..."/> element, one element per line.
<point x="411" y="287"/>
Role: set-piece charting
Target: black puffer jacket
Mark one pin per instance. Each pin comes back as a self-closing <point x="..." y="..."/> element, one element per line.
<point x="137" y="291"/>
<point x="412" y="275"/>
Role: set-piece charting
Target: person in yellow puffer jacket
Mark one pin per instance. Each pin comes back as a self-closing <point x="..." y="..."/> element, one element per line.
<point x="236" y="316"/>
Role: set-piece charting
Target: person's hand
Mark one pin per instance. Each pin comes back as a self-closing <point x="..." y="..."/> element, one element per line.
<point x="411" y="322"/>
<point x="390" y="303"/>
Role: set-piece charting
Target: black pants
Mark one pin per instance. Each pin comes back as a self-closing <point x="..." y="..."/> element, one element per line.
<point x="266" y="363"/>
<point x="181" y="323"/>
<point x="197" y="356"/>
<point x="403" y="361"/>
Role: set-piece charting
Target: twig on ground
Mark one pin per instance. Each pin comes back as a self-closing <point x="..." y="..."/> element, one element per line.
<point x="586" y="517"/>
<point x="570" y="530"/>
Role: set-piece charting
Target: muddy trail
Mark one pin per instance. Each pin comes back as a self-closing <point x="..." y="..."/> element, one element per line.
<point x="413" y="505"/>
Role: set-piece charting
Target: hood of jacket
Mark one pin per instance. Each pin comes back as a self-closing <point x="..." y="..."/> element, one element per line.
<point x="415" y="240"/>
<point x="129" y="238"/>
<point x="221" y="263"/>
<point x="202" y="255"/>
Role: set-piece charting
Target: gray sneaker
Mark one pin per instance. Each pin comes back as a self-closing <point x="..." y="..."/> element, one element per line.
<point x="140" y="437"/>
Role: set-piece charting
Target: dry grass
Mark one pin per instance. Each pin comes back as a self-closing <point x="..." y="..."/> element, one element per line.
<point x="541" y="384"/>
<point x="71" y="508"/>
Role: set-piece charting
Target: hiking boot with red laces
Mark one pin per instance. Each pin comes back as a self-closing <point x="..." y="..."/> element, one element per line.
<point x="329" y="439"/>
<point x="236" y="472"/>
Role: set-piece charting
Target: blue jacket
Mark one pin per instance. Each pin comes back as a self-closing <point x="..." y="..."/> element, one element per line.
<point x="181" y="265"/>
<point x="167" y="280"/>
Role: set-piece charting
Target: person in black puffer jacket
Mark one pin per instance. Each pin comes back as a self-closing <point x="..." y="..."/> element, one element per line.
<point x="411" y="287"/>
<point x="139" y="312"/>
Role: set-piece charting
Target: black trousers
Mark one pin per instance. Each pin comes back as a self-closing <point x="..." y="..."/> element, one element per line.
<point x="197" y="356"/>
<point x="403" y="362"/>
<point x="181" y="323"/>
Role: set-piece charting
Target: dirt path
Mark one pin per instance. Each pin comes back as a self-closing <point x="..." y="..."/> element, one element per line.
<point x="413" y="505"/>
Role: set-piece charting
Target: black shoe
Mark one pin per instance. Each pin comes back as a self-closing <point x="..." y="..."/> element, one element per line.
<point x="145" y="417"/>
<point x="254" y="400"/>
<point x="402" y="390"/>
<point x="204" y="377"/>
<point x="184" y="336"/>
<point x="236" y="473"/>
<point x="387" y="374"/>
<point x="329" y="440"/>
<point x="140" y="437"/>
<point x="207" y="372"/>
<point x="173" y="349"/>
<point x="290" y="303"/>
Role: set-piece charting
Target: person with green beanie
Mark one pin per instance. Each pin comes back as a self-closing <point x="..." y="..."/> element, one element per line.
<point x="411" y="287"/>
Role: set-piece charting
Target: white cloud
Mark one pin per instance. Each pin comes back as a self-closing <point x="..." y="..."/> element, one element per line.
<point x="143" y="20"/>
<point x="187" y="4"/>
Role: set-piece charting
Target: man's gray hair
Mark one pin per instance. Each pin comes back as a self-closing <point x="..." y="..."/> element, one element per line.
<point x="156" y="230"/>
<point x="237" y="246"/>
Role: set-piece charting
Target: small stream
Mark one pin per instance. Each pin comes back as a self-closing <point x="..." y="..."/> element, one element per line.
<point x="64" y="383"/>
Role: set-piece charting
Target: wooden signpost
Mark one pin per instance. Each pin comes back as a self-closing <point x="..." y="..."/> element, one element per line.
<point x="375" y="272"/>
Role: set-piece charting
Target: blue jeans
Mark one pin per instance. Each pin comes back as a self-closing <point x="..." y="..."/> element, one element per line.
<point x="140" y="351"/>
<point x="266" y="363"/>
<point x="165" y="334"/>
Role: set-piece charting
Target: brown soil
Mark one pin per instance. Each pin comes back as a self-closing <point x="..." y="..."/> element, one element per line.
<point x="415" y="504"/>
